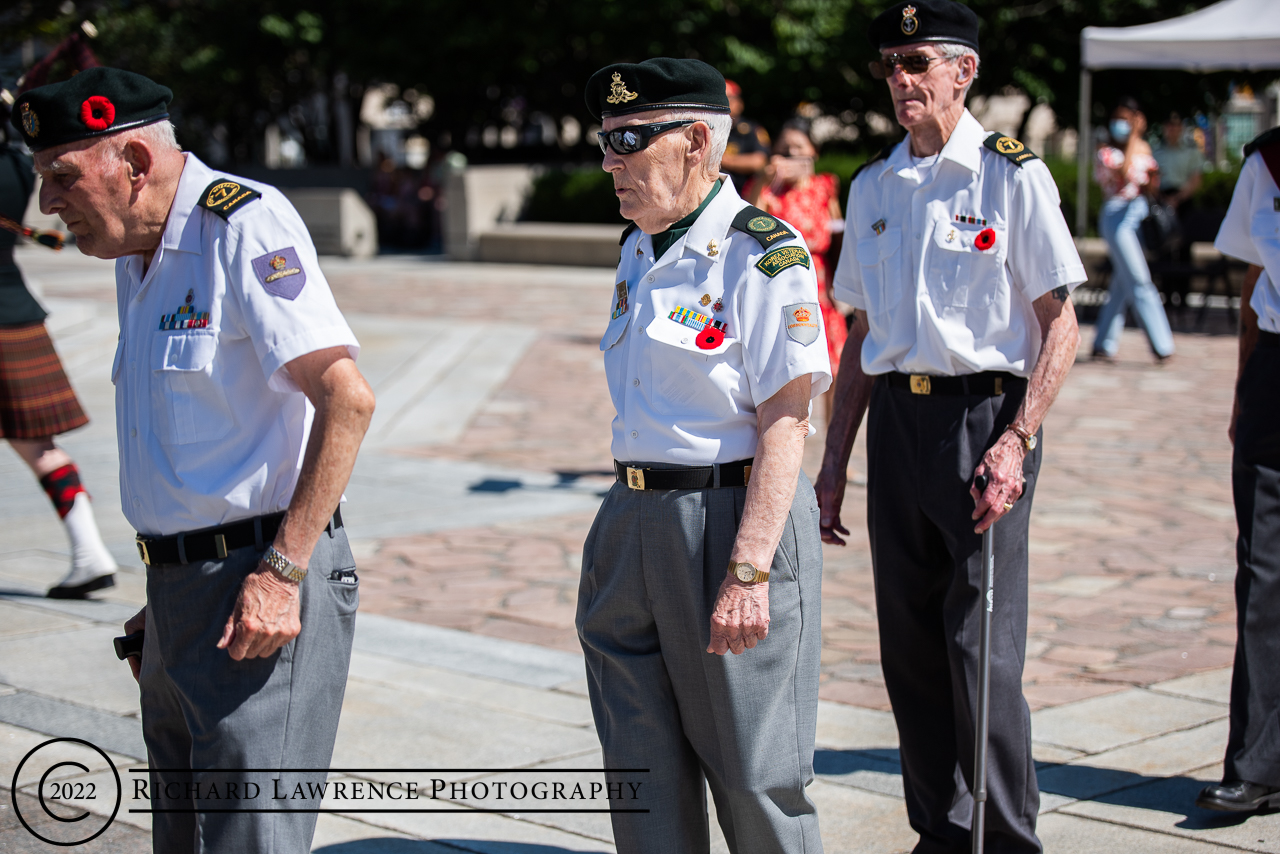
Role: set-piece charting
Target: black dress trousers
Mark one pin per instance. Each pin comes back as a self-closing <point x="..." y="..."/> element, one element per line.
<point x="927" y="561"/>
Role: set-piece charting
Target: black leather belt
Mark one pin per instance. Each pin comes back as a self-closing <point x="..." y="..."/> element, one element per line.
<point x="1268" y="340"/>
<point x="988" y="384"/>
<point x="214" y="543"/>
<point x="686" y="477"/>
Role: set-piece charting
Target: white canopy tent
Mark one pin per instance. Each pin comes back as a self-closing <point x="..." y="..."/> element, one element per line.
<point x="1230" y="35"/>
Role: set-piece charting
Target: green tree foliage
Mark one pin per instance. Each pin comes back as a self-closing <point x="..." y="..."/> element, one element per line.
<point x="242" y="63"/>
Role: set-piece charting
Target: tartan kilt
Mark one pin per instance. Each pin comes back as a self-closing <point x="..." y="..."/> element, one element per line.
<point x="36" y="400"/>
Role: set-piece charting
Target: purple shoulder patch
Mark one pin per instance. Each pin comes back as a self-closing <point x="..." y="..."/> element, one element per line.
<point x="281" y="273"/>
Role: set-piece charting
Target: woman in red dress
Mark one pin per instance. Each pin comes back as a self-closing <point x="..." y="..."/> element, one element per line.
<point x="789" y="189"/>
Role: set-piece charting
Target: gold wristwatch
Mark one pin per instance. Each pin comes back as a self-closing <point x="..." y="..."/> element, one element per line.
<point x="747" y="572"/>
<point x="1029" y="440"/>
<point x="283" y="565"/>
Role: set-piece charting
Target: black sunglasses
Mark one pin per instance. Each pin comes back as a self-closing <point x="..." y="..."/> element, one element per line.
<point x="633" y="138"/>
<point x="911" y="63"/>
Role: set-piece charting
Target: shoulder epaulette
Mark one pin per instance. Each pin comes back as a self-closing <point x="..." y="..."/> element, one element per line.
<point x="763" y="227"/>
<point x="882" y="154"/>
<point x="1007" y="146"/>
<point x="1268" y="137"/>
<point x="626" y="232"/>
<point x="224" y="197"/>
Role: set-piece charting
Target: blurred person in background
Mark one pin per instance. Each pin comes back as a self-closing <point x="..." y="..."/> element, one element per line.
<point x="748" y="149"/>
<point x="1180" y="167"/>
<point x="789" y="189"/>
<point x="36" y="400"/>
<point x="1123" y="168"/>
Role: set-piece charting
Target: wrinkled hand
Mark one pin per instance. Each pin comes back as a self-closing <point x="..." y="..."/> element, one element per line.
<point x="136" y="623"/>
<point x="830" y="491"/>
<point x="1002" y="464"/>
<point x="740" y="619"/>
<point x="266" y="616"/>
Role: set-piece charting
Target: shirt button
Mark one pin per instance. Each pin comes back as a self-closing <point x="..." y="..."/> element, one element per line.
<point x="635" y="382"/>
<point x="651" y="278"/>
<point x="917" y="237"/>
<point x="634" y="435"/>
<point x="684" y="340"/>
<point x="137" y="502"/>
<point x="133" y="431"/>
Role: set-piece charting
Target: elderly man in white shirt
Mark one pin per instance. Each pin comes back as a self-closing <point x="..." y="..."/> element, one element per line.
<point x="960" y="267"/>
<point x="239" y="412"/>
<point x="708" y="544"/>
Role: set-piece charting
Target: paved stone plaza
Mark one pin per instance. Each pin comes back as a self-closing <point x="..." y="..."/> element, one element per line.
<point x="473" y="494"/>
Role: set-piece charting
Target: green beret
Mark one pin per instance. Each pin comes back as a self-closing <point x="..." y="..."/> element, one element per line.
<point x="656" y="84"/>
<point x="925" y="21"/>
<point x="96" y="102"/>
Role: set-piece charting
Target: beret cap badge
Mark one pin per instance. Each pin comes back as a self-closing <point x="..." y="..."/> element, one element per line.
<point x="909" y="21"/>
<point x="30" y="122"/>
<point x="618" y="93"/>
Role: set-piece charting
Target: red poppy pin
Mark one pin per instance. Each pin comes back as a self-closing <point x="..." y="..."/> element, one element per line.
<point x="985" y="239"/>
<point x="710" y="338"/>
<point x="97" y="112"/>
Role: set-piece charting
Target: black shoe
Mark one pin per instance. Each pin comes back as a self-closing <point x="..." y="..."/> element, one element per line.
<point x="1238" y="796"/>
<point x="82" y="591"/>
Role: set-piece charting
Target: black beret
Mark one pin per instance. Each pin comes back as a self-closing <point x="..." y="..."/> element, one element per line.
<point x="96" y="102"/>
<point x="656" y="84"/>
<point x="925" y="21"/>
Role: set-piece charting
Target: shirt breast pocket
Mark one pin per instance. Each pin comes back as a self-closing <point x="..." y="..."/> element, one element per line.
<point x="613" y="332"/>
<point x="684" y="379"/>
<point x="965" y="266"/>
<point x="880" y="258"/>
<point x="187" y="405"/>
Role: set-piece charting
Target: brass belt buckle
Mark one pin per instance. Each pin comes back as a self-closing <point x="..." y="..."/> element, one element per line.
<point x="142" y="549"/>
<point x="920" y="384"/>
<point x="746" y="475"/>
<point x="635" y="478"/>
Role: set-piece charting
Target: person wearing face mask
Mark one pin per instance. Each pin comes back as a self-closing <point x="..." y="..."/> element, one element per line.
<point x="1124" y="169"/>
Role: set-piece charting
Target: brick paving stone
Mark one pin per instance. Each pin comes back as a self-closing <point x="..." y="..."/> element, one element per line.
<point x="1135" y="488"/>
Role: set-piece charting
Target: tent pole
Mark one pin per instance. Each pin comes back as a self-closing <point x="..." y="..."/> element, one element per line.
<point x="1084" y="152"/>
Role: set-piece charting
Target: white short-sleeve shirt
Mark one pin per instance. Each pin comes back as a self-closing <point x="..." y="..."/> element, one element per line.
<point x="686" y="404"/>
<point x="947" y="267"/>
<point x="1251" y="232"/>
<point x="211" y="428"/>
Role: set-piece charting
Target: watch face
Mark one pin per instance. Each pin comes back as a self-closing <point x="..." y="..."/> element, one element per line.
<point x="1032" y="441"/>
<point x="745" y="572"/>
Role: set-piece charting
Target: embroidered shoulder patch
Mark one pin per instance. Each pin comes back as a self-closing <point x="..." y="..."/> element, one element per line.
<point x="1009" y="147"/>
<point x="224" y="197"/>
<point x="281" y="273"/>
<point x="801" y="322"/>
<point x="764" y="228"/>
<point x="781" y="258"/>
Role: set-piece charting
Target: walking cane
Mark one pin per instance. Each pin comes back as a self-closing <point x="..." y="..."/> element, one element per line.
<point x="979" y="826"/>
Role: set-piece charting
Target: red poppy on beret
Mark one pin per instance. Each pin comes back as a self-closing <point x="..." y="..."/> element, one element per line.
<point x="710" y="338"/>
<point x="97" y="112"/>
<point x="985" y="239"/>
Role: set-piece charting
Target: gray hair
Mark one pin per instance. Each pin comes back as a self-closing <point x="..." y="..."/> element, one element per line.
<point x="720" y="124"/>
<point x="952" y="50"/>
<point x="158" y="135"/>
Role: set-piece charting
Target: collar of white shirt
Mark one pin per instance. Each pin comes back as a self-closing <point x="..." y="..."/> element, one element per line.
<point x="963" y="147"/>
<point x="182" y="232"/>
<point x="712" y="224"/>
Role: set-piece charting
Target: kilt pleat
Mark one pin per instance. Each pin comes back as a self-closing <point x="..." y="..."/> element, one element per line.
<point x="36" y="400"/>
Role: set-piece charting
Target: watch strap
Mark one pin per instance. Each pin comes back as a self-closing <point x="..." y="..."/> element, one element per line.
<point x="1028" y="439"/>
<point x="283" y="565"/>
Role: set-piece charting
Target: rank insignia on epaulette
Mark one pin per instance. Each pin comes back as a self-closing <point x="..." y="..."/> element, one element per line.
<point x="1009" y="147"/>
<point x="223" y="197"/>
<point x="781" y="258"/>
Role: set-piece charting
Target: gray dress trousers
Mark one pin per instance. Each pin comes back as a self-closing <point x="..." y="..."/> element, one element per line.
<point x="652" y="566"/>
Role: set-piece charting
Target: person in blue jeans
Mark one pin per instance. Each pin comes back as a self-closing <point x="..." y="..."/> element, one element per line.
<point x="1123" y="169"/>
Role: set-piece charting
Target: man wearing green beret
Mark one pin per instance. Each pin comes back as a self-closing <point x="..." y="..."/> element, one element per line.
<point x="699" y="606"/>
<point x="239" y="411"/>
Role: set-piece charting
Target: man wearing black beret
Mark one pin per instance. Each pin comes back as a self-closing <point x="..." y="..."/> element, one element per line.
<point x="699" y="607"/>
<point x="239" y="411"/>
<point x="960" y="268"/>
